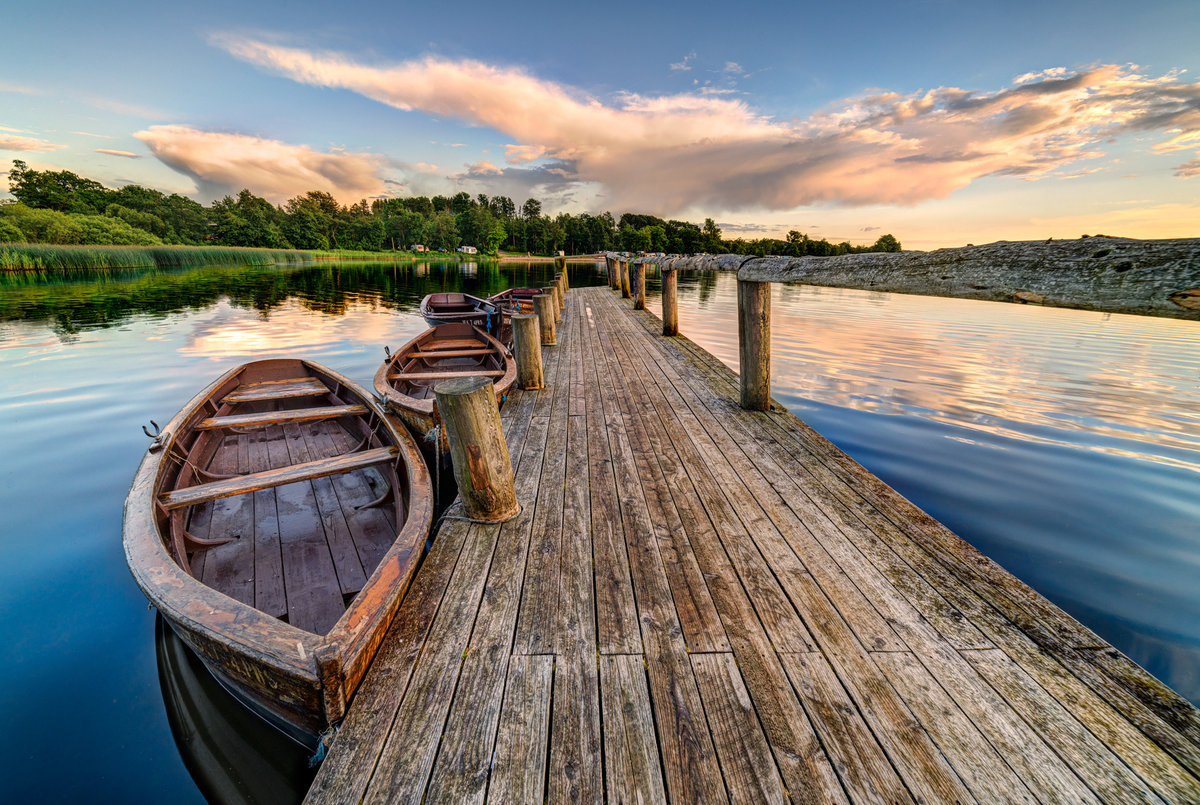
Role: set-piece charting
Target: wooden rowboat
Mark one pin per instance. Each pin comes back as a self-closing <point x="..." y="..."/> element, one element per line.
<point x="515" y="300"/>
<point x="276" y="523"/>
<point x="454" y="308"/>
<point x="407" y="377"/>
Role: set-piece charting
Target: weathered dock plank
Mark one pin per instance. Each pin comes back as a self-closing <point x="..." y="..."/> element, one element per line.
<point x="700" y="603"/>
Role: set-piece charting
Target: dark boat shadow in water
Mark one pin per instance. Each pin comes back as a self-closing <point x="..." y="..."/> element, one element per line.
<point x="233" y="755"/>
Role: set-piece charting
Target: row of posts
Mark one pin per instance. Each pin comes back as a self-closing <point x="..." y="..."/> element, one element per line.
<point x="754" y="321"/>
<point x="471" y="416"/>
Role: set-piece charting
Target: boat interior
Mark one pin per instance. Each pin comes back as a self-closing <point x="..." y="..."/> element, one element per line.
<point x="286" y="499"/>
<point x="446" y="351"/>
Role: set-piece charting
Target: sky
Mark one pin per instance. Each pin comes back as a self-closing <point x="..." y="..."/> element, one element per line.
<point x="943" y="123"/>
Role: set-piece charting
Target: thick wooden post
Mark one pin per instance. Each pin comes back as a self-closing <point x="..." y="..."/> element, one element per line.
<point x="561" y="264"/>
<point x="543" y="306"/>
<point x="639" y="285"/>
<point x="754" y="344"/>
<point x="560" y="285"/>
<point x="527" y="349"/>
<point x="556" y="306"/>
<point x="670" y="302"/>
<point x="625" y="279"/>
<point x="482" y="468"/>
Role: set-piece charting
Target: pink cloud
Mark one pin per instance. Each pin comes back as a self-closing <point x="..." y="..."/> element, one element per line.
<point x="222" y="163"/>
<point x="27" y="144"/>
<point x="116" y="153"/>
<point x="668" y="153"/>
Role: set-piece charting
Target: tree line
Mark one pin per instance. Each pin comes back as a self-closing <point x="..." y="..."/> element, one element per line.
<point x="63" y="208"/>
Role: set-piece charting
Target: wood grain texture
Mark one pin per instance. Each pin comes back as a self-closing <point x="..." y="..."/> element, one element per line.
<point x="710" y="603"/>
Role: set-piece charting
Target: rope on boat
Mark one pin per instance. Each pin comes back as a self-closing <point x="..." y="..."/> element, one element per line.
<point x="324" y="741"/>
<point x="435" y="435"/>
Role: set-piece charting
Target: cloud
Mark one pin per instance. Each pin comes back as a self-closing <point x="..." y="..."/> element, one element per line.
<point x="90" y="134"/>
<point x="671" y="152"/>
<point x="27" y="144"/>
<point x="126" y="109"/>
<point x="483" y="167"/>
<point x="685" y="65"/>
<point x="18" y="89"/>
<point x="126" y="154"/>
<point x="222" y="163"/>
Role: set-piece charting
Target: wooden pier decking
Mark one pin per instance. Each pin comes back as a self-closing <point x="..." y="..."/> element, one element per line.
<point x="703" y="603"/>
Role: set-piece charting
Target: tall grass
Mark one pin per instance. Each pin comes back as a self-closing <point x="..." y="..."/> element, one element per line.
<point x="40" y="257"/>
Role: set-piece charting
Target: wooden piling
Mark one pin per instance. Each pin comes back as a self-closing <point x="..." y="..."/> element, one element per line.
<point x="527" y="350"/>
<point x="625" y="279"/>
<point x="543" y="306"/>
<point x="556" y="301"/>
<point x="670" y="302"/>
<point x="478" y="452"/>
<point x="754" y="344"/>
<point x="639" y="285"/>
<point x="560" y="263"/>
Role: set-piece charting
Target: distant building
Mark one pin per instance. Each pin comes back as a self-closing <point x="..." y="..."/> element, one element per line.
<point x="468" y="250"/>
<point x="561" y="253"/>
<point x="418" y="247"/>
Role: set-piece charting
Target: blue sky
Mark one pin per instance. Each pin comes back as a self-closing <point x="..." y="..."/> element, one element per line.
<point x="941" y="122"/>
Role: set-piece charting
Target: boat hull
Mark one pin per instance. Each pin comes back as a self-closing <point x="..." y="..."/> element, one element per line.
<point x="298" y="678"/>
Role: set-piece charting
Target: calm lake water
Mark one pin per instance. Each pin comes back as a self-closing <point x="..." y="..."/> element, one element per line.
<point x="1064" y="444"/>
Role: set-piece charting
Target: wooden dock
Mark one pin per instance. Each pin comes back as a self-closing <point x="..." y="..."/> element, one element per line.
<point x="703" y="603"/>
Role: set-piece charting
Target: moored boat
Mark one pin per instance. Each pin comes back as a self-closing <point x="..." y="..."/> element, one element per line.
<point x="276" y="523"/>
<point x="455" y="308"/>
<point x="407" y="377"/>
<point x="515" y="300"/>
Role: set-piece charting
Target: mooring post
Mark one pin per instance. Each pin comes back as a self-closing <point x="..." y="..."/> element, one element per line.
<point x="556" y="306"/>
<point x="478" y="452"/>
<point x="640" y="268"/>
<point x="754" y="344"/>
<point x="560" y="285"/>
<point x="625" y="279"/>
<point x="543" y="306"/>
<point x="527" y="350"/>
<point x="561" y="264"/>
<point x="670" y="302"/>
<point x="613" y="282"/>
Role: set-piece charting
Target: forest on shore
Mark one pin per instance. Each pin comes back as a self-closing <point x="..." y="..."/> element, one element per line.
<point x="63" y="208"/>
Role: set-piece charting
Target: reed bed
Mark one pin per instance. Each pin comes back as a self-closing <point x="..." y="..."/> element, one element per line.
<point x="42" y="257"/>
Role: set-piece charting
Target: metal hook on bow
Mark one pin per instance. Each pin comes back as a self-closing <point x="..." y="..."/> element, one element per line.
<point x="158" y="436"/>
<point x="387" y="352"/>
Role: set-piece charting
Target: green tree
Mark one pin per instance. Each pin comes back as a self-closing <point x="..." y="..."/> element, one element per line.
<point x="886" y="243"/>
<point x="711" y="240"/>
<point x="56" y="190"/>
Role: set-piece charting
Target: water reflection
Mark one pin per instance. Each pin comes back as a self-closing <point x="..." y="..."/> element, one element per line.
<point x="233" y="755"/>
<point x="79" y="300"/>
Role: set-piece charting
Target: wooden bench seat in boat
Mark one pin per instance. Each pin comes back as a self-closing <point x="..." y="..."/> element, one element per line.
<point x="202" y="493"/>
<point x="451" y="353"/>
<point x="280" y="417"/>
<point x="454" y="343"/>
<point x="446" y="375"/>
<point x="276" y="390"/>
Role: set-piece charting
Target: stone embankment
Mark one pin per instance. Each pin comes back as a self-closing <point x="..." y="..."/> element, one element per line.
<point x="1115" y="275"/>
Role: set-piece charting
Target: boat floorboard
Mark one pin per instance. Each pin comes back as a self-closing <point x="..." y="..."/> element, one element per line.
<point x="301" y="550"/>
<point x="701" y="603"/>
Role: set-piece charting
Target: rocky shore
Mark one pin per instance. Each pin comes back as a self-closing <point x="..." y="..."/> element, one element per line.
<point x="1115" y="275"/>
